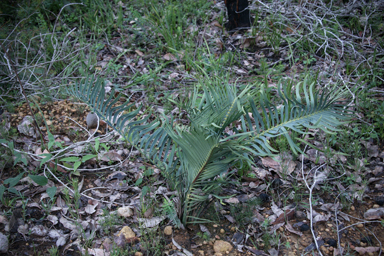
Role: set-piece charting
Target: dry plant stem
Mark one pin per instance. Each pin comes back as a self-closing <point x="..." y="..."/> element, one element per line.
<point x="25" y="96"/>
<point x="310" y="199"/>
<point x="73" y="192"/>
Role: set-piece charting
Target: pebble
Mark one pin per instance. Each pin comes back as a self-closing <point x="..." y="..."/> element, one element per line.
<point x="4" y="244"/>
<point x="376" y="206"/>
<point x="125" y="211"/>
<point x="221" y="246"/>
<point x="138" y="254"/>
<point x="168" y="230"/>
<point x="304" y="227"/>
<point x="215" y="225"/>
<point x="352" y="208"/>
<point x="327" y="229"/>
<point x="329" y="225"/>
<point x="332" y="242"/>
<point x="324" y="249"/>
<point x="222" y="231"/>
<point x="360" y="225"/>
<point x="127" y="232"/>
<point x="201" y="252"/>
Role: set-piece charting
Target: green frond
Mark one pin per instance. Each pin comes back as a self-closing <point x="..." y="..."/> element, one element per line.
<point x="219" y="106"/>
<point x="149" y="137"/>
<point x="300" y="114"/>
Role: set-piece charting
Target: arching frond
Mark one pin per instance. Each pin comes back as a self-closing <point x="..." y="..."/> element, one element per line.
<point x="297" y="113"/>
<point x="149" y="137"/>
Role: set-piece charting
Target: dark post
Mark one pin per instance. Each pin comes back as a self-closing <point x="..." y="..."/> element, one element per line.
<point x="238" y="14"/>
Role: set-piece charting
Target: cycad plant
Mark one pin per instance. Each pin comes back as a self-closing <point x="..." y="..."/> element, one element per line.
<point x="227" y="126"/>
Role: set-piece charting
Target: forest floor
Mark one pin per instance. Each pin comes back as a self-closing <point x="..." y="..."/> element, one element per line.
<point x="96" y="195"/>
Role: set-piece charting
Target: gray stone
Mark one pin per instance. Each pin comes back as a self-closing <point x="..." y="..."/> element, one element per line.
<point x="3" y="243"/>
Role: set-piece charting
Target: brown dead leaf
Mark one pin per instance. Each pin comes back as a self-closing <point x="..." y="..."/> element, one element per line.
<point x="230" y="218"/>
<point x="289" y="227"/>
<point x="366" y="250"/>
<point x="169" y="56"/>
<point x="374" y="214"/>
<point x="111" y="155"/>
<point x="216" y="24"/>
<point x="232" y="200"/>
<point x="140" y="53"/>
<point x="287" y="215"/>
<point x="270" y="163"/>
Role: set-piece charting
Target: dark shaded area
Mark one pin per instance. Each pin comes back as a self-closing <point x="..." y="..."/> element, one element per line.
<point x="238" y="14"/>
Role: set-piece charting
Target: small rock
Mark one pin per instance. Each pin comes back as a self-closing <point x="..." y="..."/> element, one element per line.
<point x="327" y="229"/>
<point x="168" y="230"/>
<point x="127" y="232"/>
<point x="222" y="231"/>
<point x="26" y="127"/>
<point x="324" y="249"/>
<point x="304" y="227"/>
<point x="367" y="240"/>
<point x="221" y="246"/>
<point x="107" y="244"/>
<point x="238" y="237"/>
<point x="138" y="254"/>
<point x="352" y="208"/>
<point x="125" y="211"/>
<point x="332" y="242"/>
<point x="300" y="215"/>
<point x="201" y="253"/>
<point x="264" y="198"/>
<point x="3" y="243"/>
<point x="329" y="225"/>
<point x="119" y="241"/>
<point x="379" y="200"/>
<point x="276" y="183"/>
<point x="215" y="225"/>
<point x="376" y="206"/>
<point x="360" y="225"/>
<point x="91" y="120"/>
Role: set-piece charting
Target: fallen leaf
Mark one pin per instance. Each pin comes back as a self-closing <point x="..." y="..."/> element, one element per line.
<point x="90" y="209"/>
<point x="289" y="227"/>
<point x="269" y="162"/>
<point x="216" y="24"/>
<point x="169" y="56"/>
<point x="149" y="223"/>
<point x="230" y="218"/>
<point x="232" y="200"/>
<point x="366" y="250"/>
<point x="140" y="53"/>
<point x="111" y="155"/>
<point x="287" y="215"/>
<point x="374" y="214"/>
